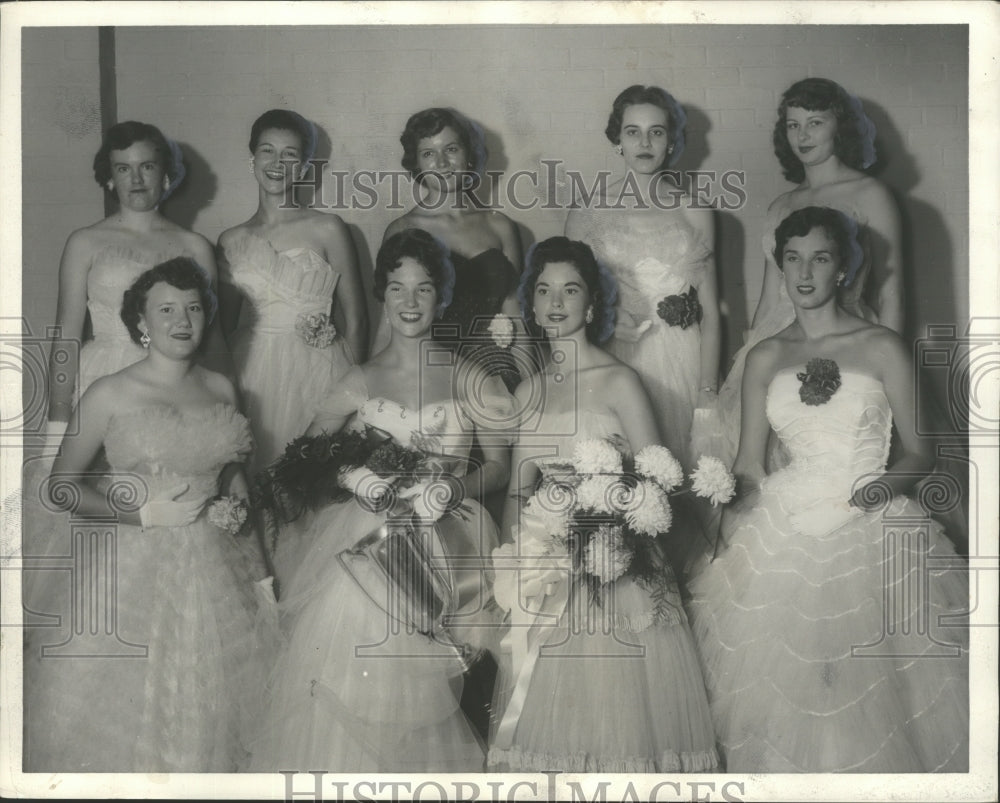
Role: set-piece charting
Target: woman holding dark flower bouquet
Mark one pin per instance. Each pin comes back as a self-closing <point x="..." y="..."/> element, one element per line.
<point x="379" y="617"/>
<point x="599" y="668"/>
<point x="648" y="232"/>
<point x="174" y="688"/>
<point x="291" y="292"/>
<point x="830" y="624"/>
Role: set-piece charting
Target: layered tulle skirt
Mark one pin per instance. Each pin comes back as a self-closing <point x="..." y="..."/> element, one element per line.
<point x="356" y="688"/>
<point x="148" y="660"/>
<point x="616" y="687"/>
<point x="836" y="644"/>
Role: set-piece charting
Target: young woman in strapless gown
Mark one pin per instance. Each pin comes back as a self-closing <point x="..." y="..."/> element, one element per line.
<point x="620" y="689"/>
<point x="173" y="688"/>
<point x="659" y="247"/>
<point x="139" y="168"/>
<point x="352" y="691"/>
<point x="824" y="142"/>
<point x="283" y="265"/>
<point x="832" y="625"/>
<point x="444" y="153"/>
<point x="292" y="302"/>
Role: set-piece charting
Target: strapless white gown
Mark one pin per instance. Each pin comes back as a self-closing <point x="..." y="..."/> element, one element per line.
<point x="833" y="640"/>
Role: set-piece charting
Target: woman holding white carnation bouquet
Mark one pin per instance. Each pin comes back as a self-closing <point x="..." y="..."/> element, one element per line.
<point x="381" y="622"/>
<point x="599" y="672"/>
<point x="831" y="628"/>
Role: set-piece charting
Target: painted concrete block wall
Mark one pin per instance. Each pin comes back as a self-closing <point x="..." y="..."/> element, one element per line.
<point x="540" y="92"/>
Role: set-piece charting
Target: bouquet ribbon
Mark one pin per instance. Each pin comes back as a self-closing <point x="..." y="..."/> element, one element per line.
<point x="534" y="586"/>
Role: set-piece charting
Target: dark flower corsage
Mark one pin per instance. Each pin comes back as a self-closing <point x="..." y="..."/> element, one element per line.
<point x="819" y="381"/>
<point x="680" y="310"/>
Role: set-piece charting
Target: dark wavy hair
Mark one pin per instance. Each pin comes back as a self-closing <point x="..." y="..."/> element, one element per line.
<point x="854" y="142"/>
<point x="180" y="272"/>
<point x="636" y="94"/>
<point x="124" y="135"/>
<point x="428" y="251"/>
<point x="285" y="120"/>
<point x="838" y="227"/>
<point x="601" y="285"/>
<point x="430" y="122"/>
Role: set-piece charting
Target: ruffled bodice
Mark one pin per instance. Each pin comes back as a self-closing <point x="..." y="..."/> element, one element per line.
<point x="819" y="623"/>
<point x="832" y="443"/>
<point x="438" y="427"/>
<point x="278" y="286"/>
<point x="651" y="256"/>
<point x="166" y="445"/>
<point x="114" y="270"/>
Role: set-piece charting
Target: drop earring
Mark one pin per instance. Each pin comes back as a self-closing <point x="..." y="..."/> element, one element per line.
<point x="618" y="149"/>
<point x="251" y="164"/>
<point x="590" y="315"/>
<point x="111" y="186"/>
<point x="144" y="340"/>
<point x="840" y="278"/>
<point x="166" y="182"/>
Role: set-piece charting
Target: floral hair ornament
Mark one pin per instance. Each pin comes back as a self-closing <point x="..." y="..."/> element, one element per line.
<point x="820" y="381"/>
<point x="175" y="170"/>
<point x="866" y="131"/>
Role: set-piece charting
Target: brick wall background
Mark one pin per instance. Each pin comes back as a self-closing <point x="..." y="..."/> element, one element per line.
<point x="540" y="92"/>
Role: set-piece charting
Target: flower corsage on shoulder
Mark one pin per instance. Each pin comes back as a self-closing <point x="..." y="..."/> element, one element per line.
<point x="820" y="381"/>
<point x="606" y="509"/>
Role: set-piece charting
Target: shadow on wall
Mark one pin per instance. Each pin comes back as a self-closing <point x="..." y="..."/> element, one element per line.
<point x="928" y="253"/>
<point x="195" y="193"/>
<point x="729" y="244"/>
<point x="730" y="254"/>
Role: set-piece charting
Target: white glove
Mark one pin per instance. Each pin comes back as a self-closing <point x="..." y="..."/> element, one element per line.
<point x="54" y="432"/>
<point x="163" y="510"/>
<point x="628" y="330"/>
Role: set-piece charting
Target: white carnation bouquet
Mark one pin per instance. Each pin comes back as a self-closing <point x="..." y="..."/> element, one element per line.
<point x="607" y="508"/>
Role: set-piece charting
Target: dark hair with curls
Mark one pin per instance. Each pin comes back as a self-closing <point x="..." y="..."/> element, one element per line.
<point x="430" y="122"/>
<point x="636" y="94"/>
<point x="600" y="283"/>
<point x="285" y="120"/>
<point x="124" y="135"/>
<point x="180" y="272"/>
<point x="854" y="143"/>
<point x="837" y="226"/>
<point x="428" y="251"/>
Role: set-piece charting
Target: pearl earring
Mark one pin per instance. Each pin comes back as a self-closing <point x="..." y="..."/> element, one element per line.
<point x="590" y="315"/>
<point x="144" y="340"/>
<point x="166" y="182"/>
<point x="111" y="186"/>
